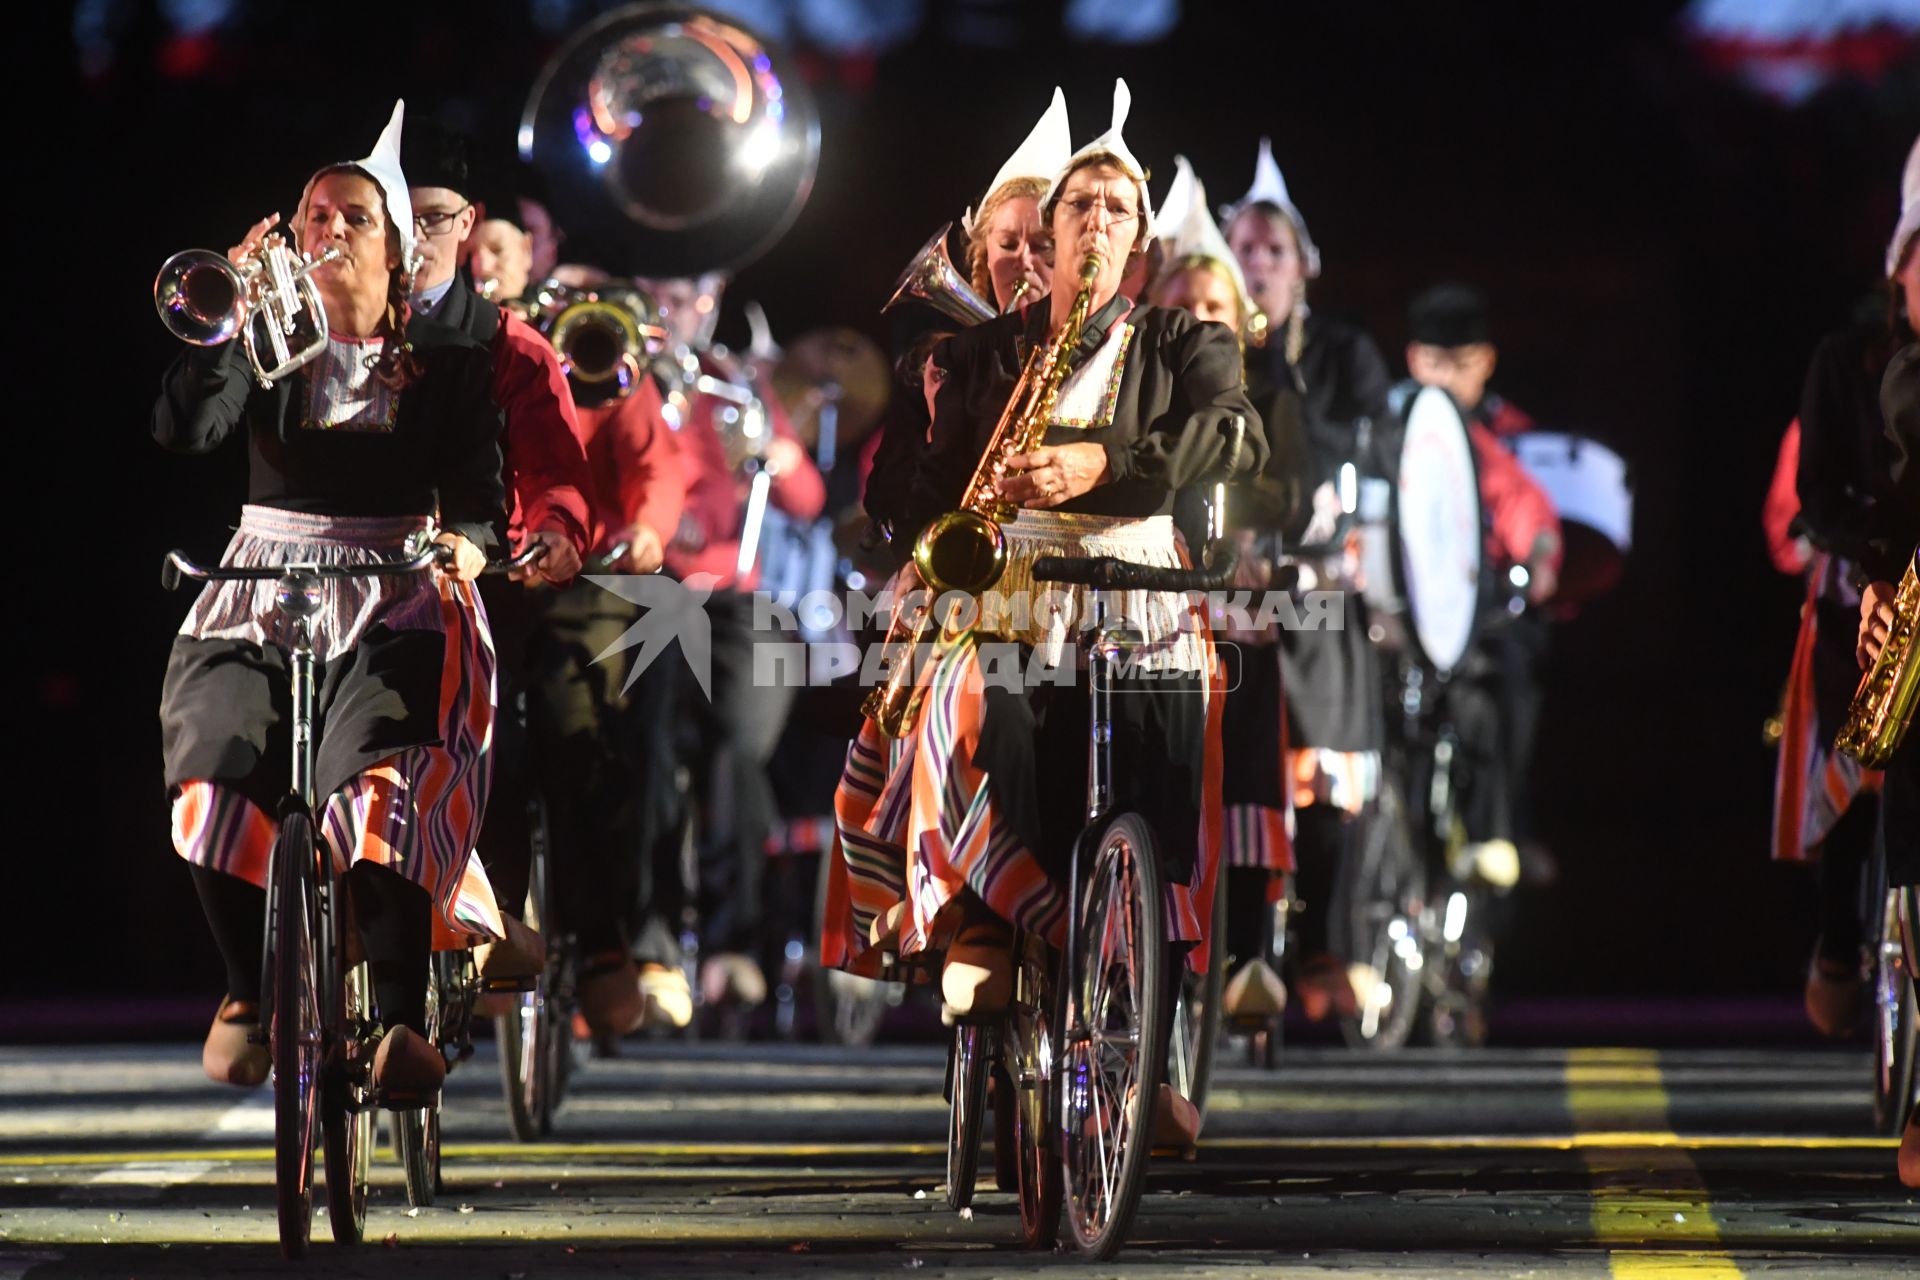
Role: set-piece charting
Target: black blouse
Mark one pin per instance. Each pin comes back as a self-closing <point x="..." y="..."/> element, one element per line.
<point x="442" y="453"/>
<point x="1846" y="460"/>
<point x="1180" y="385"/>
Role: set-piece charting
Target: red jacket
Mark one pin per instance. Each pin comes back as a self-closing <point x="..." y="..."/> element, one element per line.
<point x="635" y="463"/>
<point x="1790" y="554"/>
<point x="710" y="529"/>
<point x="1517" y="506"/>
<point x="545" y="462"/>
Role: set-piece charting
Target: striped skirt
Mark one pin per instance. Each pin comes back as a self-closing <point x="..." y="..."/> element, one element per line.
<point x="1813" y="785"/>
<point x="404" y="708"/>
<point x="917" y="819"/>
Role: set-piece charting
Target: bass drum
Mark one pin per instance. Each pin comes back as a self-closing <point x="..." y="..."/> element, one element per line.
<point x="1423" y="537"/>
<point x="1588" y="485"/>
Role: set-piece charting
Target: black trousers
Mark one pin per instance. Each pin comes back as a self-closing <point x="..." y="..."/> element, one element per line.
<point x="726" y="743"/>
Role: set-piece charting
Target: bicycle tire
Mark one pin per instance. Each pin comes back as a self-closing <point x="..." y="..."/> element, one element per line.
<point x="296" y="1031"/>
<point x="1195" y="1040"/>
<point x="346" y="1118"/>
<point x="1028" y="1048"/>
<point x="1378" y="912"/>
<point x="1103" y="1179"/>
<point x="1896" y="1024"/>
<point x="966" y="1110"/>
<point x="416" y="1131"/>
<point x="525" y="1032"/>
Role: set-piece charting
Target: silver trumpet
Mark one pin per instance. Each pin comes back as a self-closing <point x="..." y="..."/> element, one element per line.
<point x="268" y="301"/>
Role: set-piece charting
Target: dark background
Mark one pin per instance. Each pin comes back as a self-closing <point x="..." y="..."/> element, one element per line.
<point x="1662" y="246"/>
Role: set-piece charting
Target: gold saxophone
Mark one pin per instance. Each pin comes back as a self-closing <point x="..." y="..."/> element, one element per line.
<point x="965" y="550"/>
<point x="1883" y="704"/>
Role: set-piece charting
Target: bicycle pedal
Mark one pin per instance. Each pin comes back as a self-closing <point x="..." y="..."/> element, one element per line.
<point x="390" y="1100"/>
<point x="505" y="986"/>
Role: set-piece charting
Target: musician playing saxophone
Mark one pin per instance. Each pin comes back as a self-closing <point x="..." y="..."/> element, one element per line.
<point x="998" y="764"/>
<point x="1900" y="407"/>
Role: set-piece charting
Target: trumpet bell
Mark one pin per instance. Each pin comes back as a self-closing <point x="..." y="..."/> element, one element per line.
<point x="201" y="297"/>
<point x="678" y="122"/>
<point x="605" y="337"/>
<point x="932" y="278"/>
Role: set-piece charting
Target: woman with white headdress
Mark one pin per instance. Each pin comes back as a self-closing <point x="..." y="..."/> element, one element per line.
<point x="1332" y="682"/>
<point x="997" y="788"/>
<point x="1201" y="275"/>
<point x="390" y="432"/>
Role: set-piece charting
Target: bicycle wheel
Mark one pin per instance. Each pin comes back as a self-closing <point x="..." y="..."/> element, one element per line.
<point x="1896" y="1028"/>
<point x="525" y="1032"/>
<point x="1196" y="1014"/>
<point x="295" y="1035"/>
<point x="1376" y="923"/>
<point x="416" y="1131"/>
<point x="1114" y="1022"/>
<point x="346" y="1118"/>
<point x="1028" y="1048"/>
<point x="966" y="1110"/>
<point x="1462" y="969"/>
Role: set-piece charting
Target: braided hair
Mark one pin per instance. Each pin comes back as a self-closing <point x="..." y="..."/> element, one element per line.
<point x="396" y="366"/>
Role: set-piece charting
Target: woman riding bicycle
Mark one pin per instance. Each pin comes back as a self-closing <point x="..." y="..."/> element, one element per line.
<point x="389" y="428"/>
<point x="974" y="834"/>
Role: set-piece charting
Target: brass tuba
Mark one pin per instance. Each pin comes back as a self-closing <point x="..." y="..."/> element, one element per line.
<point x="675" y="140"/>
<point x="1882" y="706"/>
<point x="965" y="550"/>
<point x="933" y="279"/>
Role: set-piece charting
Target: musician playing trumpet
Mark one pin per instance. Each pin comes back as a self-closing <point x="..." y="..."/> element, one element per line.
<point x="973" y="835"/>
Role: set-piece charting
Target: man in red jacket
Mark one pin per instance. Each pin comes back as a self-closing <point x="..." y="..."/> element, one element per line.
<point x="722" y="421"/>
<point x="1450" y="346"/>
<point x="545" y="470"/>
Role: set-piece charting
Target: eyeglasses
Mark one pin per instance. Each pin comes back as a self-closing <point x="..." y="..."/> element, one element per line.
<point x="1082" y="207"/>
<point x="439" y="223"/>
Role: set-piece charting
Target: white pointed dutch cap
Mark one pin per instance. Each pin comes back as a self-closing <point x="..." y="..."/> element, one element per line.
<point x="1909" y="210"/>
<point x="1046" y="148"/>
<point x="383" y="166"/>
<point x="1270" y="187"/>
<point x="1189" y="229"/>
<point x="1112" y="143"/>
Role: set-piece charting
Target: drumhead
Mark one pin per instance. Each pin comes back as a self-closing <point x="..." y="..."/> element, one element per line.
<point x="1437" y="532"/>
<point x="1586" y="481"/>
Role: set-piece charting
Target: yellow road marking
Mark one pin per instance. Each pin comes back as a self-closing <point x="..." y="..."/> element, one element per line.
<point x="1650" y="1209"/>
<point x="1597" y="1140"/>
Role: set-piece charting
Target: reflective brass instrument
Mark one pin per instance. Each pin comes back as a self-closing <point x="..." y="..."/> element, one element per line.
<point x="606" y="336"/>
<point x="1882" y="706"/>
<point x="267" y="301"/>
<point x="965" y="550"/>
<point x="933" y="279"/>
<point x="675" y="140"/>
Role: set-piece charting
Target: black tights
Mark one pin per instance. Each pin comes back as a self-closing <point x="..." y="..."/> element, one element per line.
<point x="1842" y="870"/>
<point x="396" y="931"/>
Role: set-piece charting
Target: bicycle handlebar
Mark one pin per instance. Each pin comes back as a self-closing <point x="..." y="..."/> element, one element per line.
<point x="176" y="566"/>
<point x="1106" y="573"/>
<point x="532" y="553"/>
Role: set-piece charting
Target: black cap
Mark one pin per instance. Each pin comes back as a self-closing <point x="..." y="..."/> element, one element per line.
<point x="494" y="185"/>
<point x="1448" y="315"/>
<point x="432" y="155"/>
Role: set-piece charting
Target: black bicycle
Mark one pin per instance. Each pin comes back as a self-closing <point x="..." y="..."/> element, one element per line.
<point x="317" y="1009"/>
<point x="1893" y="916"/>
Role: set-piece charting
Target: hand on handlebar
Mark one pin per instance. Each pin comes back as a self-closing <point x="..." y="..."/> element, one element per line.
<point x="557" y="564"/>
<point x="468" y="562"/>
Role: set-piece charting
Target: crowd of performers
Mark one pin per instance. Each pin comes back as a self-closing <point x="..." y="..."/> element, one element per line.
<point x="446" y="702"/>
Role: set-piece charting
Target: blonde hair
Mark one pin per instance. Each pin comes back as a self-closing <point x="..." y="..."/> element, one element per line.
<point x="1242" y="305"/>
<point x="1012" y="189"/>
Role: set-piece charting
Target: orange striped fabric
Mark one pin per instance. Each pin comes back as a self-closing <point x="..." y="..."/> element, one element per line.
<point x="1812" y="784"/>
